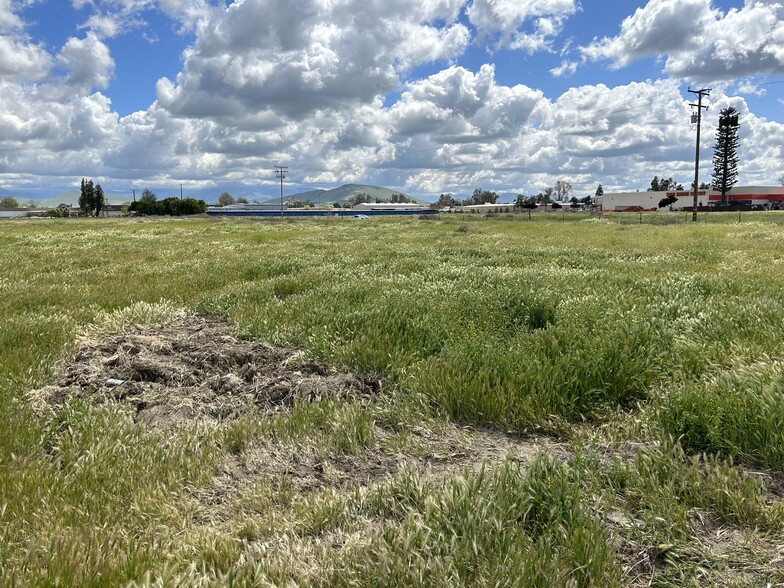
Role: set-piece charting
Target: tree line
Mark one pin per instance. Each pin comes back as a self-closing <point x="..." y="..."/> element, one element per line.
<point x="149" y="205"/>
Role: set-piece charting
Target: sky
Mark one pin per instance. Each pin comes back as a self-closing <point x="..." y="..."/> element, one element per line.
<point x="421" y="96"/>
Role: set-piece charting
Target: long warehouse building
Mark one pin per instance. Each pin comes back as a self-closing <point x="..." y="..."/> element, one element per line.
<point x="767" y="197"/>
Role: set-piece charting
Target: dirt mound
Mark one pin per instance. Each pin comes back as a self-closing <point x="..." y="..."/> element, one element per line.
<point x="195" y="369"/>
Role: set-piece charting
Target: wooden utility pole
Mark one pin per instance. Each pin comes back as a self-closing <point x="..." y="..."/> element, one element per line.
<point x="699" y="106"/>
<point x="280" y="172"/>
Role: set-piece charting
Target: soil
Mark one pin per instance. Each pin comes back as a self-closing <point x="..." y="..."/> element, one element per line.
<point x="195" y="370"/>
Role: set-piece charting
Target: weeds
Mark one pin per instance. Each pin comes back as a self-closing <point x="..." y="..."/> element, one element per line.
<point x="527" y="327"/>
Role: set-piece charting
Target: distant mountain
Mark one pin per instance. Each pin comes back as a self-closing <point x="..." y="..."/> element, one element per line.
<point x="71" y="197"/>
<point x="342" y="194"/>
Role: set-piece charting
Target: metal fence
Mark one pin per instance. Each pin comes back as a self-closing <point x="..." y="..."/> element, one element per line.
<point x="634" y="218"/>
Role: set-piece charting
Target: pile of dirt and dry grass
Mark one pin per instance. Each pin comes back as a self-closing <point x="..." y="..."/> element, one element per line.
<point x="196" y="370"/>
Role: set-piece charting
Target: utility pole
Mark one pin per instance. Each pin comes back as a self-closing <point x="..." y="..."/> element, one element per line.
<point x="134" y="195"/>
<point x="280" y="172"/>
<point x="699" y="106"/>
<point x="180" y="190"/>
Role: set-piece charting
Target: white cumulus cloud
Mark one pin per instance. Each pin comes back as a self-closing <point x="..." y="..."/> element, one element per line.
<point x="519" y="24"/>
<point x="699" y="42"/>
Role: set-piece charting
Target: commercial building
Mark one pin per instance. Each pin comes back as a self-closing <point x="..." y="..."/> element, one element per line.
<point x="767" y="197"/>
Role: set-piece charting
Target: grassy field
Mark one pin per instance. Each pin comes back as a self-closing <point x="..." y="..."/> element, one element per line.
<point x="569" y="402"/>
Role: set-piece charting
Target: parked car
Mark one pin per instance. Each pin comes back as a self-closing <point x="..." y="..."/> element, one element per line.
<point x="360" y="217"/>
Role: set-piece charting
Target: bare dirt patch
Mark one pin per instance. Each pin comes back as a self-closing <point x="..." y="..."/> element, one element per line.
<point x="195" y="370"/>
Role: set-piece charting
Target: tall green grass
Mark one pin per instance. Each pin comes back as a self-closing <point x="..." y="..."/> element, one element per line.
<point x="737" y="414"/>
<point x="516" y="325"/>
<point x="509" y="526"/>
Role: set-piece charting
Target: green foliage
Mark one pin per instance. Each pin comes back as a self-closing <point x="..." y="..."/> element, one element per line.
<point x="446" y="201"/>
<point x="99" y="201"/>
<point x="402" y="199"/>
<point x="225" y="199"/>
<point x="148" y="197"/>
<point x="9" y="202"/>
<point x="562" y="190"/>
<point x="293" y="203"/>
<point x="481" y="197"/>
<point x="661" y="485"/>
<point x="169" y="207"/>
<point x="91" y="198"/>
<point x="539" y="327"/>
<point x="86" y="197"/>
<point x="663" y="185"/>
<point x="62" y="211"/>
<point x="725" y="152"/>
<point x="737" y="414"/>
<point x="523" y="201"/>
<point x="509" y="526"/>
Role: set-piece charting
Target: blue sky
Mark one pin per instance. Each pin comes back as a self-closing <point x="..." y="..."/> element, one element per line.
<point x="422" y="96"/>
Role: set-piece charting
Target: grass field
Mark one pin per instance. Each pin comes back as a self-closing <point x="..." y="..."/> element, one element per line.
<point x="569" y="402"/>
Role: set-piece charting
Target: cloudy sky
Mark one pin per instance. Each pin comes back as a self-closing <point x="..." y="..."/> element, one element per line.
<point x="423" y="96"/>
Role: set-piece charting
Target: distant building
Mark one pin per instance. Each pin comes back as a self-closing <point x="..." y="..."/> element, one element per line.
<point x="108" y="210"/>
<point x="486" y="208"/>
<point x="764" y="196"/>
<point x="244" y="208"/>
<point x="390" y="206"/>
<point x="19" y="212"/>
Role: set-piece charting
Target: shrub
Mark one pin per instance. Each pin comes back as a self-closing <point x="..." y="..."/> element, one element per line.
<point x="169" y="207"/>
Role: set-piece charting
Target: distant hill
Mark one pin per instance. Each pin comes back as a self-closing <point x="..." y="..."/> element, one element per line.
<point x="71" y="197"/>
<point x="341" y="194"/>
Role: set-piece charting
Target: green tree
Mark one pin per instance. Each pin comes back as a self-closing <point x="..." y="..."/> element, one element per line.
<point x="148" y="196"/>
<point x="241" y="200"/>
<point x="523" y="201"/>
<point x="664" y="185"/>
<point x="599" y="191"/>
<point x="481" y="197"/>
<point x="169" y="207"/>
<point x="9" y="202"/>
<point x="99" y="200"/>
<point x="359" y="199"/>
<point x="446" y="201"/>
<point x="402" y="199"/>
<point x="669" y="185"/>
<point x="225" y="199"/>
<point x="562" y="189"/>
<point x="87" y="197"/>
<point x="62" y="211"/>
<point x="725" y="153"/>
